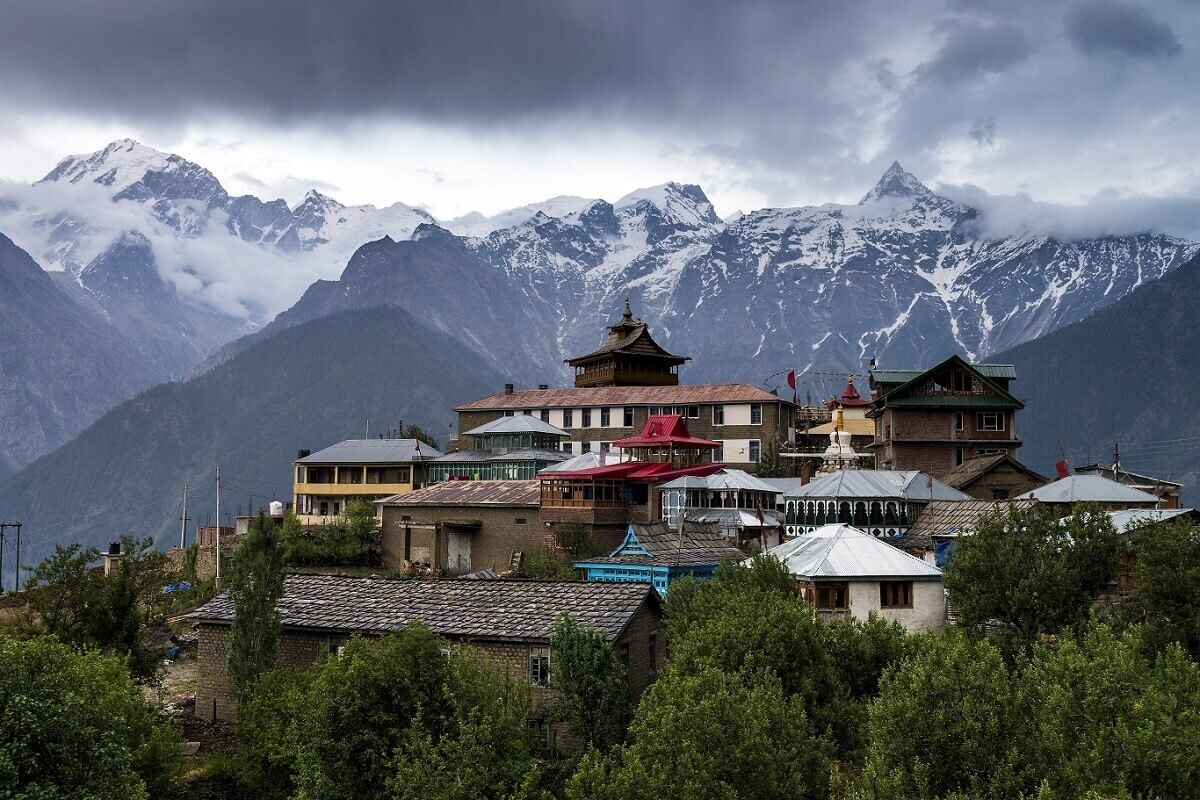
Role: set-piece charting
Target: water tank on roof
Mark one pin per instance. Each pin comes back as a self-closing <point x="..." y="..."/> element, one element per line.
<point x="276" y="508"/>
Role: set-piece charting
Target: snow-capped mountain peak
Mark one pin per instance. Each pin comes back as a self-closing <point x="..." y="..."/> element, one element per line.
<point x="680" y="204"/>
<point x="118" y="165"/>
<point x="896" y="183"/>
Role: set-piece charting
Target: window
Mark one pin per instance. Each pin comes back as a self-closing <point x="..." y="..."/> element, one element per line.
<point x="960" y="455"/>
<point x="831" y="596"/>
<point x="566" y="447"/>
<point x="958" y="420"/>
<point x="623" y="654"/>
<point x="604" y="447"/>
<point x="719" y="453"/>
<point x="605" y="417"/>
<point x="546" y="415"/>
<point x="652" y="646"/>
<point x="627" y="417"/>
<point x="756" y="413"/>
<point x="585" y="447"/>
<point x="568" y="417"/>
<point x="989" y="421"/>
<point x="989" y="451"/>
<point x="528" y="412"/>
<point x="895" y="594"/>
<point x="539" y="666"/>
<point x="960" y="381"/>
<point x="585" y="418"/>
<point x="755" y="451"/>
<point x="510" y="413"/>
<point x="299" y="474"/>
<point x="520" y="521"/>
<point x="718" y="415"/>
<point x="693" y="412"/>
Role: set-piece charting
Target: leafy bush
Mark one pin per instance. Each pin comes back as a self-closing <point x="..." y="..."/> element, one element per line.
<point x="74" y="725"/>
<point x="546" y="566"/>
<point x="266" y="760"/>
<point x="592" y="692"/>
<point x="711" y="735"/>
<point x="351" y="540"/>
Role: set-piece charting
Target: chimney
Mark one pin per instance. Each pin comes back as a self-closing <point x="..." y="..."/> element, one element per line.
<point x="303" y="454"/>
<point x="543" y="386"/>
<point x="112" y="558"/>
<point x="508" y="388"/>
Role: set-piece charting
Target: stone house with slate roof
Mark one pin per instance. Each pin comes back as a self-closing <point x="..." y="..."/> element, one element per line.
<point x="507" y="621"/>
<point x="998" y="476"/>
<point x="933" y="420"/>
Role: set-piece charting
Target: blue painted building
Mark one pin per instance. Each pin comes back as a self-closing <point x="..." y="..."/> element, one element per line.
<point x="658" y="554"/>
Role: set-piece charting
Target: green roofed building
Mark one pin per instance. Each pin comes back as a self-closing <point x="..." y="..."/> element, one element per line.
<point x="934" y="420"/>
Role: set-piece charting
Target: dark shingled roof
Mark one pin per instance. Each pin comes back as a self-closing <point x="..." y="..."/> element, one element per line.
<point x="972" y="469"/>
<point x="951" y="518"/>
<point x="702" y="544"/>
<point x="471" y="493"/>
<point x="507" y="610"/>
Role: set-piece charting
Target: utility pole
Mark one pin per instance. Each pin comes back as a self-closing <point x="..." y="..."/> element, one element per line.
<point x="1116" y="459"/>
<point x="4" y="526"/>
<point x="217" y="581"/>
<point x="183" y="520"/>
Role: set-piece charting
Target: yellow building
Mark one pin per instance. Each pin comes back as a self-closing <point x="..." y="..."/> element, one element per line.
<point x="368" y="469"/>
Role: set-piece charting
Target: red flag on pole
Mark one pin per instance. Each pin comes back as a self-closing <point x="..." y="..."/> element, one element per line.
<point x="1061" y="468"/>
<point x="792" y="383"/>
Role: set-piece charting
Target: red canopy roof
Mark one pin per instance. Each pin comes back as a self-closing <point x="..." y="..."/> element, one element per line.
<point x="850" y="398"/>
<point x="662" y="430"/>
<point x="635" y="471"/>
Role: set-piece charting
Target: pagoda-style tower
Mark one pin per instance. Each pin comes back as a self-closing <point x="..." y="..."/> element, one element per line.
<point x="628" y="357"/>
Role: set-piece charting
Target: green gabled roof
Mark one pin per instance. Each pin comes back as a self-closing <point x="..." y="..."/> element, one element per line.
<point x="994" y="371"/>
<point x="894" y="393"/>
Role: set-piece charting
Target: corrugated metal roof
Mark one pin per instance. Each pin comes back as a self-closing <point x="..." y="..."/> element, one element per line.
<point x="471" y="493"/>
<point x="734" y="517"/>
<point x="1131" y="518"/>
<point x="1087" y="488"/>
<point x="474" y="609"/>
<point x="530" y="454"/>
<point x="372" y="451"/>
<point x="623" y="396"/>
<point x="1001" y="371"/>
<point x="726" y="479"/>
<point x="871" y="483"/>
<point x="518" y="423"/>
<point x="596" y="458"/>
<point x="841" y="552"/>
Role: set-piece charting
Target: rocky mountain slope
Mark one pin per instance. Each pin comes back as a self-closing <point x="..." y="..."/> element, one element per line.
<point x="1128" y="374"/>
<point x="310" y="386"/>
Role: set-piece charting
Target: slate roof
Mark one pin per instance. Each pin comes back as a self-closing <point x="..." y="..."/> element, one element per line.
<point x="972" y="469"/>
<point x="1087" y="488"/>
<point x="518" y="423"/>
<point x="471" y="493"/>
<point x="624" y="396"/>
<point x="372" y="451"/>
<point x="507" y="610"/>
<point x="943" y="518"/>
<point x="700" y="545"/>
<point x="841" y="552"/>
<point x="911" y="485"/>
<point x="631" y="336"/>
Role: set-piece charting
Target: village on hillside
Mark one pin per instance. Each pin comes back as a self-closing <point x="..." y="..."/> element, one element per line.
<point x="595" y="505"/>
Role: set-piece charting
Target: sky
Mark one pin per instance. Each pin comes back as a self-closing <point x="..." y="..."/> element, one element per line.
<point x="1084" y="113"/>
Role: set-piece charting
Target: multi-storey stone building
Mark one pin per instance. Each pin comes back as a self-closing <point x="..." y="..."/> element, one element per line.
<point x="628" y="380"/>
<point x="933" y="420"/>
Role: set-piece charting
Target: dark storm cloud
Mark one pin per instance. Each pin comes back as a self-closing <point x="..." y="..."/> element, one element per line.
<point x="971" y="50"/>
<point x="1112" y="26"/>
<point x="459" y="60"/>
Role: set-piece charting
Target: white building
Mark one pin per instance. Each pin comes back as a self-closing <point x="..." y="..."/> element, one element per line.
<point x="845" y="572"/>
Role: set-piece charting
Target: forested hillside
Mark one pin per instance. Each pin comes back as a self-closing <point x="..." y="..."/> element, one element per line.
<point x="309" y="386"/>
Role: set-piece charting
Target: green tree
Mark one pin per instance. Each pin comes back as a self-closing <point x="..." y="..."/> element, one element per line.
<point x="419" y="433"/>
<point x="361" y="524"/>
<point x="255" y="585"/>
<point x="944" y="722"/>
<point x="691" y="600"/>
<point x="770" y="463"/>
<point x="268" y="734"/>
<point x="482" y="749"/>
<point x="711" y="735"/>
<point x="1025" y="574"/>
<point x="592" y="690"/>
<point x="575" y="539"/>
<point x="360" y="708"/>
<point x="73" y="725"/>
<point x="1166" y="585"/>
<point x="84" y="608"/>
